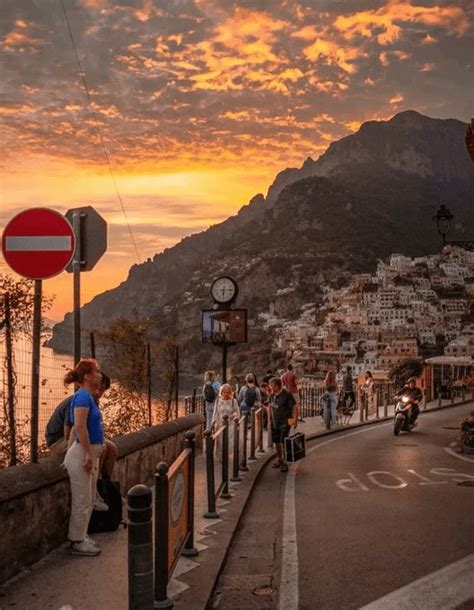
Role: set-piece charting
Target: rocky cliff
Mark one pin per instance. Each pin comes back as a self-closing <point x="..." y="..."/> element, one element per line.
<point x="370" y="194"/>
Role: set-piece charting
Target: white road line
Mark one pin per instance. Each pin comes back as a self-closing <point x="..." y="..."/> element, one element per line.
<point x="289" y="586"/>
<point x="41" y="243"/>
<point x="444" y="589"/>
<point x="460" y="457"/>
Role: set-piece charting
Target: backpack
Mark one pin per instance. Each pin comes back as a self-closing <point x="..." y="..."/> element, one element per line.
<point x="209" y="393"/>
<point x="250" y="397"/>
<point x="110" y="520"/>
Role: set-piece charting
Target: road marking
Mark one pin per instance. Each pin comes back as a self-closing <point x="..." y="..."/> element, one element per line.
<point x="289" y="585"/>
<point x="444" y="589"/>
<point x="399" y="485"/>
<point x="427" y="481"/>
<point x="460" y="457"/>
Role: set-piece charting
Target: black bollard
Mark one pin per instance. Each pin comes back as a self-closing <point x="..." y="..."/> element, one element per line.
<point x="235" y="455"/>
<point x="252" y="434"/>
<point x="190" y="443"/>
<point x="225" y="459"/>
<point x="140" y="548"/>
<point x="260" y="414"/>
<point x="243" y="464"/>
<point x="161" y="599"/>
<point x="211" y="485"/>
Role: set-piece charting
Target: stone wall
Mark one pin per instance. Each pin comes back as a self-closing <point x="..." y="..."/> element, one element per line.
<point x="35" y="498"/>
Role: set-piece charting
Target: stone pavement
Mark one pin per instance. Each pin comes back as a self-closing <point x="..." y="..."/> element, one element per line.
<point x="64" y="582"/>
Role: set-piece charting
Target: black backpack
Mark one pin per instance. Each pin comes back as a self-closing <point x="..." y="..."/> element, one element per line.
<point x="250" y="396"/>
<point x="107" y="521"/>
<point x="209" y="393"/>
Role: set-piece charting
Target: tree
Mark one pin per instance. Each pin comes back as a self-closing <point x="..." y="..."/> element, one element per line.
<point x="411" y="367"/>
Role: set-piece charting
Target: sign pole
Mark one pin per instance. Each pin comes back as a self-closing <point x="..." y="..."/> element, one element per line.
<point x="224" y="363"/>
<point x="35" y="366"/>
<point x="76" y="266"/>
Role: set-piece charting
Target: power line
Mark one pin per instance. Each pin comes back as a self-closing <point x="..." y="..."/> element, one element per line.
<point x="107" y="157"/>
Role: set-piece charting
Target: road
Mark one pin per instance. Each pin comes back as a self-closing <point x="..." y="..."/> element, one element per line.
<point x="365" y="515"/>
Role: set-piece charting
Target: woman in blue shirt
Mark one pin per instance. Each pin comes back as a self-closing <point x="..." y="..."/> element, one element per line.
<point x="82" y="457"/>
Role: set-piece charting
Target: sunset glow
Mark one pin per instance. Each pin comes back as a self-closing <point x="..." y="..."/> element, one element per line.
<point x="197" y="105"/>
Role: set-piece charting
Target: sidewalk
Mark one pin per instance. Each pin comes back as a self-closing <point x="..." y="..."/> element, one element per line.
<point x="64" y="582"/>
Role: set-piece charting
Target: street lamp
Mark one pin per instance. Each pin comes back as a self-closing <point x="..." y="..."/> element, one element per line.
<point x="444" y="218"/>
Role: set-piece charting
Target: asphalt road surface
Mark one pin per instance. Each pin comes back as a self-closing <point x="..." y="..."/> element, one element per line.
<point x="364" y="516"/>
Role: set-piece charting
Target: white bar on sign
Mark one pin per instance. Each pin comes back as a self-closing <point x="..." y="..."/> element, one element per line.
<point x="38" y="243"/>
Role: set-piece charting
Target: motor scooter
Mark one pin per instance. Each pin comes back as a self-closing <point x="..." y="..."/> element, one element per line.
<point x="402" y="416"/>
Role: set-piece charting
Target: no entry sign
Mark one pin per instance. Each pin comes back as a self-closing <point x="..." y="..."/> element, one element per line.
<point x="38" y="243"/>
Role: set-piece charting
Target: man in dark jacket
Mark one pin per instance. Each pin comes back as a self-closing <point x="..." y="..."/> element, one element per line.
<point x="283" y="409"/>
<point x="415" y="395"/>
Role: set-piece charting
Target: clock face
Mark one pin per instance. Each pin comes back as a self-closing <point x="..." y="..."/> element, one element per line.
<point x="223" y="290"/>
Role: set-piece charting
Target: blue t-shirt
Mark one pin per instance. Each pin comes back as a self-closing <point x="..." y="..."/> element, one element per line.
<point x="83" y="399"/>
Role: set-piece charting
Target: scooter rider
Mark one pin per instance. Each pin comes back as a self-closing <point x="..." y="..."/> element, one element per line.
<point x="415" y="395"/>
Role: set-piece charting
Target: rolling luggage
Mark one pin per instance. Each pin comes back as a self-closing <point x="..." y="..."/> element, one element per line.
<point x="295" y="448"/>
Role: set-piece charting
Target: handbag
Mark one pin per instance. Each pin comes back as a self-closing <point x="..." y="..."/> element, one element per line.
<point x="295" y="447"/>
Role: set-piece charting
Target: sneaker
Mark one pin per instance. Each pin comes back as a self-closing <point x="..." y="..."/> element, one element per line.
<point x="284" y="468"/>
<point x="84" y="548"/>
<point x="91" y="541"/>
<point x="99" y="503"/>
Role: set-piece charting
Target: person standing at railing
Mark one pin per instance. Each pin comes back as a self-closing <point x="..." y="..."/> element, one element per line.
<point x="282" y="411"/>
<point x="226" y="404"/>
<point x="249" y="395"/>
<point x="291" y="384"/>
<point x="369" y="389"/>
<point x="348" y="389"/>
<point x="210" y="391"/>
<point x="82" y="457"/>
<point x="330" y="387"/>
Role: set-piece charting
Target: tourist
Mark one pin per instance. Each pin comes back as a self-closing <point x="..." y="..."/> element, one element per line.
<point x="210" y="391"/>
<point x="282" y="411"/>
<point x="249" y="395"/>
<point x="348" y="389"/>
<point x="369" y="389"/>
<point x="330" y="388"/>
<point x="268" y="375"/>
<point x="226" y="404"/>
<point x="265" y="393"/>
<point x="290" y="383"/>
<point x="82" y="457"/>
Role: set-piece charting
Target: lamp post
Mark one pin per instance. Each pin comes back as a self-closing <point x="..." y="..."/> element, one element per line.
<point x="444" y="218"/>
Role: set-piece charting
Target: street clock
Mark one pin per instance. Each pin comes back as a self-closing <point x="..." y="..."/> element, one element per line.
<point x="224" y="290"/>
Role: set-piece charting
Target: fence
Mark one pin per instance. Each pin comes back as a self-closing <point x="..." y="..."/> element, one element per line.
<point x="145" y="388"/>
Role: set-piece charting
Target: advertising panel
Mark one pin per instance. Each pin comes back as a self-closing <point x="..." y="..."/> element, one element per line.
<point x="178" y="509"/>
<point x="224" y="326"/>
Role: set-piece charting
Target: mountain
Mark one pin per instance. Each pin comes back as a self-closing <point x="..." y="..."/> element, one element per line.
<point x="369" y="195"/>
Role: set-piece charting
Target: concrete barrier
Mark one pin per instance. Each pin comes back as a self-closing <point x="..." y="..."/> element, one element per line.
<point x="35" y="498"/>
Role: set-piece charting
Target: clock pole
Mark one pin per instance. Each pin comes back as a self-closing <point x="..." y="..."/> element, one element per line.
<point x="224" y="363"/>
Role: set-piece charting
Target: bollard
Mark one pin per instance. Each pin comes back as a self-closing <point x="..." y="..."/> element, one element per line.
<point x="385" y="403"/>
<point x="235" y="456"/>
<point x="377" y="403"/>
<point x="161" y="599"/>
<point x="211" y="485"/>
<point x="140" y="548"/>
<point x="452" y="395"/>
<point x="361" y="405"/>
<point x="190" y="443"/>
<point x="269" y="429"/>
<point x="424" y="401"/>
<point x="243" y="463"/>
<point x="252" y="434"/>
<point x="193" y="402"/>
<point x="463" y="393"/>
<point x="260" y="430"/>
<point x="225" y="459"/>
<point x="440" y="399"/>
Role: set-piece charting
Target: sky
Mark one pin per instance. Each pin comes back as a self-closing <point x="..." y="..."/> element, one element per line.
<point x="168" y="115"/>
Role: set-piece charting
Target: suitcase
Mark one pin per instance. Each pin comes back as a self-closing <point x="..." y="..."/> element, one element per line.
<point x="295" y="448"/>
<point x="109" y="520"/>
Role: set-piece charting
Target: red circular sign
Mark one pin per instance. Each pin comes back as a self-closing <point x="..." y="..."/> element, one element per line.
<point x="38" y="243"/>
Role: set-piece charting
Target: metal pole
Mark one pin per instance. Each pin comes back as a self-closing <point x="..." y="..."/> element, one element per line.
<point x="176" y="373"/>
<point x="148" y="375"/>
<point x="140" y="548"/>
<point x="361" y="404"/>
<point x="211" y="485"/>
<point x="35" y="366"/>
<point x="224" y="363"/>
<point x="385" y="403"/>
<point x="252" y="434"/>
<point x="193" y="402"/>
<point x="424" y="400"/>
<point x="235" y="457"/>
<point x="190" y="443"/>
<point x="92" y="344"/>
<point x="225" y="459"/>
<point x="10" y="382"/>
<point x="161" y="599"/>
<point x="260" y="430"/>
<point x="76" y="272"/>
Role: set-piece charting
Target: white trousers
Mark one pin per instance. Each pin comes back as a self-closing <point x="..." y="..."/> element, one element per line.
<point x="83" y="488"/>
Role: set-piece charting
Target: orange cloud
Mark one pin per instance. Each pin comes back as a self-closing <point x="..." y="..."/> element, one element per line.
<point x="396" y="99"/>
<point x="384" y="23"/>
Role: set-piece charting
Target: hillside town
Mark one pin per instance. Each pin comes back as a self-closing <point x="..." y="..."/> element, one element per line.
<point x="409" y="308"/>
